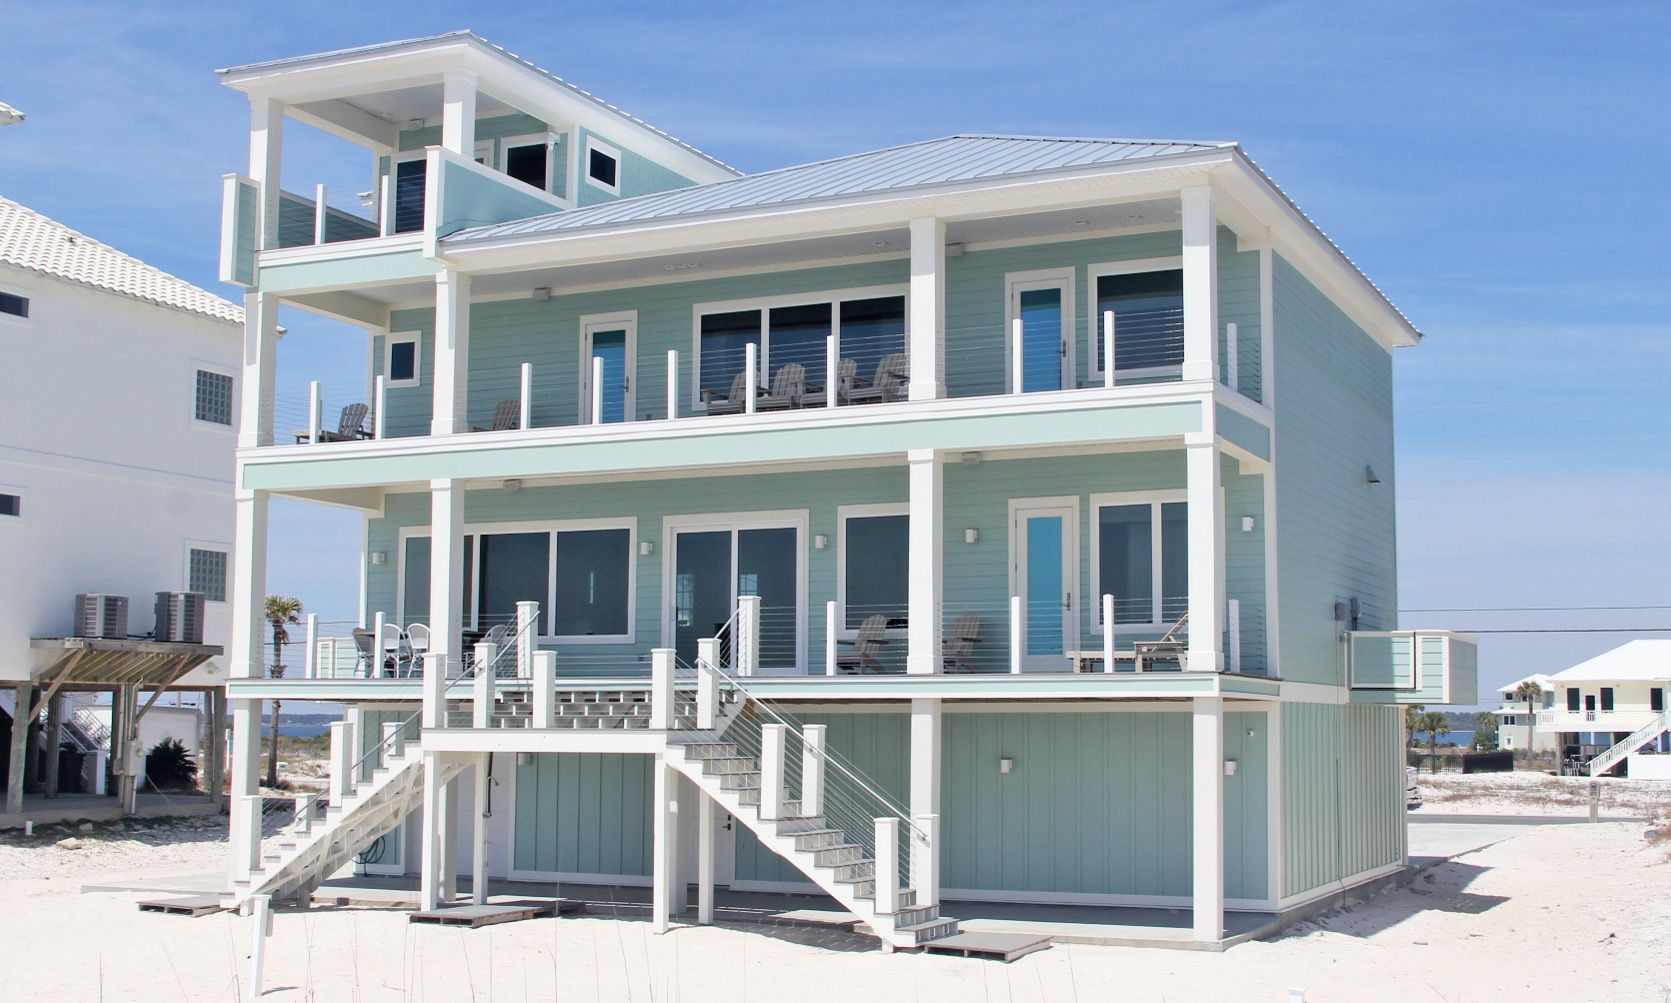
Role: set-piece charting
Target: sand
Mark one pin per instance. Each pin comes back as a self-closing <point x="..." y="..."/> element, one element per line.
<point x="1560" y="912"/>
<point x="1535" y="793"/>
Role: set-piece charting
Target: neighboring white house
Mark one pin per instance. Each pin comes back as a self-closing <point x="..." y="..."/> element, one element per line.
<point x="1611" y="710"/>
<point x="118" y="406"/>
<point x="1515" y="727"/>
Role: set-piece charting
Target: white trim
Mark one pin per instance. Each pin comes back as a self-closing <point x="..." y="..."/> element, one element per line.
<point x="1099" y="899"/>
<point x="1069" y="505"/>
<point x="1093" y="325"/>
<point x="546" y="139"/>
<point x="695" y="522"/>
<point x="594" y="143"/>
<point x="619" y="320"/>
<point x="844" y="513"/>
<point x="484" y="146"/>
<point x="204" y="365"/>
<point x="401" y="337"/>
<point x="1153" y="499"/>
<point x="1016" y="283"/>
<point x="1342" y="885"/>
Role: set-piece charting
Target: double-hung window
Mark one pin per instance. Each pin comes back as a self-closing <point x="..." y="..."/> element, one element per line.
<point x="875" y="564"/>
<point x="795" y="331"/>
<point x="1146" y="299"/>
<point x="1141" y="557"/>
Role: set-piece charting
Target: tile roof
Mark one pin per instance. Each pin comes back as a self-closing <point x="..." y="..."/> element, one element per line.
<point x="915" y="165"/>
<point x="37" y="243"/>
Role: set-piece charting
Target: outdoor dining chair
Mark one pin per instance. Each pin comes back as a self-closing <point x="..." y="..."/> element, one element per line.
<point x="417" y="645"/>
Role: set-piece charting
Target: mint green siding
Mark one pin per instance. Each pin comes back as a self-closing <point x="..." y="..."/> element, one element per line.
<point x="472" y="198"/>
<point x="1343" y="792"/>
<point x="635" y="174"/>
<point x="1238" y="303"/>
<point x="246" y="210"/>
<point x="1333" y="418"/>
<point x="584" y="814"/>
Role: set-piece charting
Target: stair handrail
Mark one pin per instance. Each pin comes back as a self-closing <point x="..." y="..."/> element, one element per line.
<point x="1630" y="743"/>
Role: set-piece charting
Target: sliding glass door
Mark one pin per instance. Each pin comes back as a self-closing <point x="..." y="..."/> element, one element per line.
<point x="713" y="564"/>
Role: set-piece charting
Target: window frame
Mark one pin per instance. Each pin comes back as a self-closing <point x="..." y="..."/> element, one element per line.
<point x="17" y="491"/>
<point x="395" y="160"/>
<point x="1093" y="324"/>
<point x="766" y="304"/>
<point x="501" y="158"/>
<point x="594" y="143"/>
<point x="591" y="323"/>
<point x="28" y="298"/>
<point x="1016" y="283"/>
<point x="202" y="365"/>
<point x="1154" y="499"/>
<point x="843" y="514"/>
<point x="696" y="522"/>
<point x="209" y="546"/>
<point x="402" y="337"/>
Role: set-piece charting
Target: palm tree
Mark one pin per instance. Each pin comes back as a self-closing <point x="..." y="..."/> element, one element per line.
<point x="282" y="612"/>
<point x="1485" y="732"/>
<point x="1437" y="724"/>
<point x="1529" y="691"/>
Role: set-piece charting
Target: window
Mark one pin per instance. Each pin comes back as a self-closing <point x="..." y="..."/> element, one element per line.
<point x="725" y="338"/>
<point x="1607" y="698"/>
<point x="795" y="330"/>
<point x="1141" y="556"/>
<point x="603" y="166"/>
<point x="512" y="568"/>
<point x="1572" y="699"/>
<point x="594" y="583"/>
<point x="214" y="397"/>
<point x="875" y="565"/>
<point x="206" y="573"/>
<point x="400" y="361"/>
<point x="1656" y="696"/>
<point x="1147" y="299"/>
<point x="527" y="161"/>
<point x="410" y="179"/>
<point x="11" y="303"/>
<point x="11" y="505"/>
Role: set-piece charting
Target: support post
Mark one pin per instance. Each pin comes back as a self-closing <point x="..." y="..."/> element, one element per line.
<point x="707" y="699"/>
<point x="319" y="214"/>
<point x="266" y="154"/>
<point x="525" y="398"/>
<point x="54" y="738"/>
<point x="435" y="691"/>
<point x="446" y="569"/>
<point x="887" y="866"/>
<point x="1205" y="529"/>
<point x="812" y="770"/>
<point x="746" y="646"/>
<point x="705" y="840"/>
<point x="1232" y="357"/>
<point x="672" y="383"/>
<point x="20" y="748"/>
<point x="1207" y="765"/>
<point x="260" y="364"/>
<point x="1233" y="635"/>
<point x="1200" y="244"/>
<point x="246" y="765"/>
<point x="926" y="539"/>
<point x="458" y="112"/>
<point x="661" y="689"/>
<point x="447" y="837"/>
<point x="545" y="689"/>
<point x="393" y="743"/>
<point x="925" y="329"/>
<point x="527" y="613"/>
<point x="1018" y="631"/>
<point x="1108" y="349"/>
<point x="832" y="625"/>
<point x="832" y="365"/>
<point x="133" y="759"/>
<point x="386" y="204"/>
<point x="1108" y="646"/>
<point x="310" y="657"/>
<point x="666" y="834"/>
<point x="926" y="740"/>
<point x="215" y="755"/>
<point x="484" y="686"/>
<point x="429" y="867"/>
<point x="341" y="757"/>
<point x="314" y="406"/>
<point x="595" y="398"/>
<point x="478" y="831"/>
<point x="261" y="927"/>
<point x="1016" y="382"/>
<point x="452" y="353"/>
<point x="380" y="401"/>
<point x="751" y="360"/>
<point x="774" y="740"/>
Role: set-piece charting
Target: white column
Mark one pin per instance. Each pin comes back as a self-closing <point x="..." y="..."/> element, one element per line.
<point x="319" y="215"/>
<point x="661" y="689"/>
<point x="666" y="833"/>
<point x="774" y="741"/>
<point x="483" y="686"/>
<point x="812" y="770"/>
<point x="255" y="388"/>
<point x="1273" y="798"/>
<point x="244" y="827"/>
<point x="341" y="760"/>
<point x="310" y="657"/>
<point x="478" y="830"/>
<point x="927" y="539"/>
<point x="745" y="645"/>
<point x="452" y="353"/>
<point x="447" y="840"/>
<point x="925" y="797"/>
<point x="527" y="636"/>
<point x="672" y="383"/>
<point x="887" y="866"/>
<point x="458" y="112"/>
<point x="245" y="654"/>
<point x="925" y="329"/>
<point x="1206" y="542"/>
<point x="1207" y="787"/>
<point x="832" y="631"/>
<point x="525" y="398"/>
<point x="429" y="867"/>
<point x="1200" y="226"/>
<point x="705" y="840"/>
<point x="266" y="145"/>
<point x="446" y="569"/>
<point x="1108" y="630"/>
<point x="545" y="689"/>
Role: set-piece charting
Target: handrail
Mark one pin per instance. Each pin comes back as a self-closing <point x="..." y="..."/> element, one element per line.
<point x="1619" y="750"/>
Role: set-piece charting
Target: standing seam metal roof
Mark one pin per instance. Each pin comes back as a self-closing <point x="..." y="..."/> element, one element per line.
<point x="931" y="162"/>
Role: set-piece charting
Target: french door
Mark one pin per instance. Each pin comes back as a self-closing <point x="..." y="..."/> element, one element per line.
<point x="711" y="564"/>
<point x="1044" y="572"/>
<point x="1041" y="316"/>
<point x="612" y="340"/>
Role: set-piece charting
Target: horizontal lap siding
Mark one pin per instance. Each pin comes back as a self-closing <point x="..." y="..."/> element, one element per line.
<point x="1343" y="788"/>
<point x="1238" y="303"/>
<point x="584" y="814"/>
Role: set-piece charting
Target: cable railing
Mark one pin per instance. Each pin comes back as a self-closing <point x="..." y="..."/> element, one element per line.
<point x="305" y="220"/>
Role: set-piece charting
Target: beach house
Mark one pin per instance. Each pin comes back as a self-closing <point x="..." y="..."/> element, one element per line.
<point x="1517" y="721"/>
<point x="1608" y="714"/>
<point x="987" y="519"/>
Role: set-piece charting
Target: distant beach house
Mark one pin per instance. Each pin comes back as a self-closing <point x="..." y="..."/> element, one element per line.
<point x="989" y="518"/>
<point x="1516" y="726"/>
<point x="1609" y="714"/>
<point x="118" y="411"/>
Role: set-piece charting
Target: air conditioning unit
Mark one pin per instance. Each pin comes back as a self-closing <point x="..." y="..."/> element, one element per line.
<point x="100" y="615"/>
<point x="180" y="617"/>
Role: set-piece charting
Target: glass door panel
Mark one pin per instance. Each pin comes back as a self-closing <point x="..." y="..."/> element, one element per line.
<point x="1045" y="546"/>
<point x="1043" y="339"/>
<point x="701" y="588"/>
<point x="766" y="567"/>
<point x="611" y="348"/>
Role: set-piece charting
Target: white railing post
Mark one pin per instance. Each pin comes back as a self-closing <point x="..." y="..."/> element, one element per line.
<point x="887" y="866"/>
<point x="751" y="359"/>
<point x="304" y="817"/>
<point x="747" y="643"/>
<point x="394" y="743"/>
<point x="310" y="657"/>
<point x="481" y="706"/>
<point x="253" y="806"/>
<point x="707" y="699"/>
<point x="812" y="770"/>
<point x="379" y="419"/>
<point x="527" y="612"/>
<point x="672" y="383"/>
<point x="261" y="927"/>
<point x="773" y="743"/>
<point x="375" y="669"/>
<point x="707" y="650"/>
<point x="1108" y="348"/>
<point x="832" y="363"/>
<point x="314" y="405"/>
<point x="318" y="214"/>
<point x="435" y="691"/>
<point x="1015" y="357"/>
<point x="1107" y="632"/>
<point x="525" y="398"/>
<point x="341" y="783"/>
<point x="386" y="204"/>
<point x="597" y="390"/>
<point x="1018" y="628"/>
<point x="661" y="689"/>
<point x="1232" y="353"/>
<point x="831" y="622"/>
<point x="545" y="689"/>
<point x="1233" y="633"/>
<point x="925" y="859"/>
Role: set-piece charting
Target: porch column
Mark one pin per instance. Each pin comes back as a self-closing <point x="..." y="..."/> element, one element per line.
<point x="452" y="353"/>
<point x="133" y="757"/>
<point x="429" y="855"/>
<point x="458" y="112"/>
<point x="245" y="657"/>
<point x="926" y="327"/>
<point x="446" y="569"/>
<point x="926" y="558"/>
<point x="215" y="754"/>
<point x="244" y="781"/>
<point x="446" y="843"/>
<point x="1273" y="801"/>
<point x="1200" y="226"/>
<point x="1207" y="789"/>
<point x="255" y="385"/>
<point x="706" y="837"/>
<point x="1206" y="545"/>
<point x="54" y="738"/>
<point x="478" y="830"/>
<point x="20" y="747"/>
<point x="665" y="825"/>
<point x="925" y="798"/>
<point x="266" y="136"/>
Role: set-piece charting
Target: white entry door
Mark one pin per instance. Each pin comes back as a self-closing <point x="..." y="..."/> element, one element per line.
<point x="1044" y="572"/>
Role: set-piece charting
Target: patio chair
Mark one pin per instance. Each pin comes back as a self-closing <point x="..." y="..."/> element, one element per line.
<point x="365" y="645"/>
<point x="1169" y="648"/>
<point x="391" y="645"/>
<point x="417" y="646"/>
<point x="350" y="426"/>
<point x="887" y="383"/>
<point x="847" y="370"/>
<point x="788" y="387"/>
<point x="733" y="402"/>
<point x="957" y="649"/>
<point x="507" y="415"/>
<point x="866" y="648"/>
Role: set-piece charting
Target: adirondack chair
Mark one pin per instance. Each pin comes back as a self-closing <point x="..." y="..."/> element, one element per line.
<point x="731" y="403"/>
<point x="1169" y="648"/>
<point x="788" y="387"/>
<point x="507" y="415"/>
<point x="847" y="370"/>
<point x="887" y="383"/>
<point x="865" y="650"/>
<point x="350" y="426"/>
<point x="957" y="648"/>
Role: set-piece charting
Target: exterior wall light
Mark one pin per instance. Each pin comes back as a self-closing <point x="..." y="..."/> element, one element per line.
<point x="1369" y="475"/>
<point x="1006" y="765"/>
<point x="646" y="548"/>
<point x="1247" y="523"/>
<point x="820" y="541"/>
<point x="379" y="557"/>
<point x="971" y="536"/>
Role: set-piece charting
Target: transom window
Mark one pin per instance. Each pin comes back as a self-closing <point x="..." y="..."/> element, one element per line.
<point x="1147" y="299"/>
<point x="13" y="304"/>
<point x="206" y="573"/>
<point x="871" y="329"/>
<point x="214" y="397"/>
<point x="875" y="566"/>
<point x="1141" y="557"/>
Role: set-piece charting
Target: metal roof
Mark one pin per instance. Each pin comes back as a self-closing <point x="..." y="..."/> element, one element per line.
<point x="1642" y="659"/>
<point x="38" y="243"/>
<point x="915" y="165"/>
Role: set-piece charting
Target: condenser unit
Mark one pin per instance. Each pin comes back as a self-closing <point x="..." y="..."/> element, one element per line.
<point x="100" y="615"/>
<point x="180" y="617"/>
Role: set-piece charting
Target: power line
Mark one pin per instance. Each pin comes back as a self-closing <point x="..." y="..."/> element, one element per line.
<point x="1528" y="609"/>
<point x="1571" y="630"/>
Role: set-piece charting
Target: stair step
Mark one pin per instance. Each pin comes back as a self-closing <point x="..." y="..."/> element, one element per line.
<point x="933" y="930"/>
<point x="720" y="765"/>
<point x="816" y="839"/>
<point x="837" y="853"/>
<point x="916" y="915"/>
<point x="855" y="871"/>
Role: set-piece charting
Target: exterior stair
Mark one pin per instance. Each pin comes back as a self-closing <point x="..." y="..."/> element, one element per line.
<point x="1616" y="754"/>
<point x="817" y="846"/>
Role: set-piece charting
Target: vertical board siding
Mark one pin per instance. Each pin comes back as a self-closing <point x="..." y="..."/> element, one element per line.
<point x="584" y="814"/>
<point x="1343" y="788"/>
<point x="1334" y="418"/>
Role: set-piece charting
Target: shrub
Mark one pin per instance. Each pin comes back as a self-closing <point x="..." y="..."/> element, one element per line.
<point x="169" y="767"/>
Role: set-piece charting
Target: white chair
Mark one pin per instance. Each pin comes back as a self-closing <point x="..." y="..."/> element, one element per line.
<point x="417" y="645"/>
<point x="389" y="642"/>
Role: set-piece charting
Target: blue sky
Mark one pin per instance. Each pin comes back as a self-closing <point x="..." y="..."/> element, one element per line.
<point x="1497" y="168"/>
